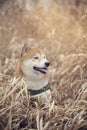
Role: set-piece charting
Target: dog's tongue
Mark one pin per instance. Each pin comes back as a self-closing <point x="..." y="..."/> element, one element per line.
<point x="45" y="70"/>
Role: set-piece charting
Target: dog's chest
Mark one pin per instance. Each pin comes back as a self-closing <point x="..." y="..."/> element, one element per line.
<point x="45" y="97"/>
<point x="43" y="93"/>
<point x="40" y="89"/>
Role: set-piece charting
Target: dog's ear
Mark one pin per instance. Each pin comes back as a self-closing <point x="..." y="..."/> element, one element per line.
<point x="25" y="50"/>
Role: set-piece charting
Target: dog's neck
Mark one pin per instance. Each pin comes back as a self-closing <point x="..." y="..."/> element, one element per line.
<point x="36" y="85"/>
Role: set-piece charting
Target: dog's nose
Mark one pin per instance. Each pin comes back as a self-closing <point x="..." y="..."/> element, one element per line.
<point x="47" y="64"/>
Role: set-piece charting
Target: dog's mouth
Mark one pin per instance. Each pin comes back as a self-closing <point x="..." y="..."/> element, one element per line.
<point x="43" y="70"/>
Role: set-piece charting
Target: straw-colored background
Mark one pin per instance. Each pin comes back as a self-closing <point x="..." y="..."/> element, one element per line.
<point x="61" y="31"/>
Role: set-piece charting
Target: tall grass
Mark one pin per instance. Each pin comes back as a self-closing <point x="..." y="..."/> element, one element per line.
<point x="62" y="34"/>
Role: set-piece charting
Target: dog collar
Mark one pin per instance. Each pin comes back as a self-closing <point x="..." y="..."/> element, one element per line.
<point x="36" y="92"/>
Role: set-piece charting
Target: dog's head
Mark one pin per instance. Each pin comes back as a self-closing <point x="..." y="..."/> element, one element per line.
<point x="32" y="63"/>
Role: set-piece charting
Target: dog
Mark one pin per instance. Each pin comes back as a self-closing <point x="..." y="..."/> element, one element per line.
<point x="34" y="67"/>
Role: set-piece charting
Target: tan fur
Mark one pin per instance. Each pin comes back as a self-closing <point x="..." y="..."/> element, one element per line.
<point x="32" y="53"/>
<point x="18" y="71"/>
<point x="34" y="79"/>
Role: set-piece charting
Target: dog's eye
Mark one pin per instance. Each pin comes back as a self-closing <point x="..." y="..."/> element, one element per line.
<point x="35" y="57"/>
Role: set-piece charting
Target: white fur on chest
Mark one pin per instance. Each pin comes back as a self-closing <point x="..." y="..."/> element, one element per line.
<point x="45" y="97"/>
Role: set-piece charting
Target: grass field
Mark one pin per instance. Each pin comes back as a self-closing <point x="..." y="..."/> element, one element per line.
<point x="62" y="34"/>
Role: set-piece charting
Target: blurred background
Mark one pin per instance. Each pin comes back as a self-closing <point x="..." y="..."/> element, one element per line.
<point x="59" y="25"/>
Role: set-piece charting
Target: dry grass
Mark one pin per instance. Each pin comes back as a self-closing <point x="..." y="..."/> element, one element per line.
<point x="65" y="35"/>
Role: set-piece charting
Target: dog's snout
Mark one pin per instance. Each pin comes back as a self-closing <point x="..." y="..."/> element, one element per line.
<point x="47" y="64"/>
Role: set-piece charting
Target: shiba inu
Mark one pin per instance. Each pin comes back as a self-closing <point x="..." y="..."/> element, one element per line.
<point x="34" y="67"/>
